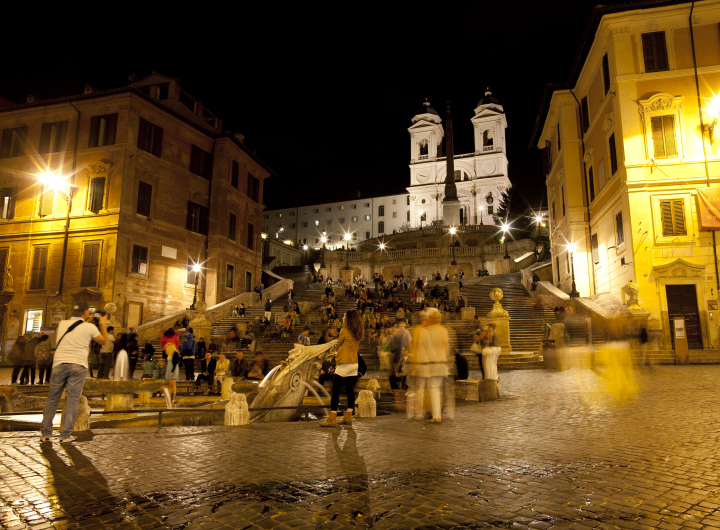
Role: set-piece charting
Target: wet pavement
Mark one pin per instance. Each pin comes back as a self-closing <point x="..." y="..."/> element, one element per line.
<point x="557" y="451"/>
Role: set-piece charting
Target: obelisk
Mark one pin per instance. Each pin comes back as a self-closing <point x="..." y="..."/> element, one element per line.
<point x="450" y="203"/>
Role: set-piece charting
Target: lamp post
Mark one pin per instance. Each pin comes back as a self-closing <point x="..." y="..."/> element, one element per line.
<point x="54" y="181"/>
<point x="422" y="218"/>
<point x="573" y="291"/>
<point x="348" y="237"/>
<point x="305" y="248"/>
<point x="322" y="259"/>
<point x="481" y="219"/>
<point x="452" y="245"/>
<point x="505" y="229"/>
<point x="196" y="270"/>
<point x="538" y="220"/>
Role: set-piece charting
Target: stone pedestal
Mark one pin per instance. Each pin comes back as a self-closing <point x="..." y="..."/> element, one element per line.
<point x="373" y="386"/>
<point x="501" y="319"/>
<point x="467" y="313"/>
<point x="365" y="406"/>
<point x="488" y="389"/>
<point x="201" y="326"/>
<point x="226" y="391"/>
<point x="453" y="291"/>
<point x="82" y="422"/>
<point x="451" y="212"/>
<point x="454" y="272"/>
<point x="346" y="276"/>
<point x="557" y="333"/>
<point x="236" y="411"/>
<point x="467" y="389"/>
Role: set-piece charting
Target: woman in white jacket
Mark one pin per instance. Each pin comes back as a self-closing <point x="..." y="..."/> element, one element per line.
<point x="431" y="364"/>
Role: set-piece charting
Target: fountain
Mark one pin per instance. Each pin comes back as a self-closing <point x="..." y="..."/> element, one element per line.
<point x="119" y="394"/>
<point x="5" y="403"/>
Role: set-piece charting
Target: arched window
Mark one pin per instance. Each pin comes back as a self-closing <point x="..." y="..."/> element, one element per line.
<point x="381" y="211"/>
<point x="423" y="147"/>
<point x="381" y="227"/>
<point x="488" y="135"/>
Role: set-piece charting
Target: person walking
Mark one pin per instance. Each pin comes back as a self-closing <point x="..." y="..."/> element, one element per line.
<point x="188" y="355"/>
<point x="15" y="357"/>
<point x="172" y="372"/>
<point x="70" y="369"/>
<point x="43" y="357"/>
<point x="346" y="370"/>
<point x="106" y="355"/>
<point x="431" y="364"/>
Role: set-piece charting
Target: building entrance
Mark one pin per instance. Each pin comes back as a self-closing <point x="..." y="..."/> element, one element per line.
<point x="682" y="302"/>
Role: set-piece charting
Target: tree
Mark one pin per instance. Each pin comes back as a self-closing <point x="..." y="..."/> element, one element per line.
<point x="503" y="212"/>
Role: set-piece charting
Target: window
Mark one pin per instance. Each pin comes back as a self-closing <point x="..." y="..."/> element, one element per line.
<point x="292" y="214"/>
<point x="304" y="224"/>
<point x="408" y="216"/>
<point x="341" y="220"/>
<point x="292" y="225"/>
<point x="316" y="210"/>
<point x="201" y="162"/>
<point x="266" y="216"/>
<point x="559" y="141"/>
<point x="139" y="260"/>
<point x="253" y="188"/>
<point x="229" y="276"/>
<point x="354" y="218"/>
<point x="584" y="114"/>
<point x="490" y="210"/>
<point x="190" y="274"/>
<point x="150" y="137"/>
<point x="562" y="194"/>
<point x="91" y="259"/>
<point x="144" y="198"/>
<point x="394" y="201"/>
<point x="235" y="175"/>
<point x="557" y="267"/>
<point x="53" y="137"/>
<point x="553" y="214"/>
<point x="548" y="154"/>
<point x="366" y="205"/>
<point x="329" y="238"/>
<point x="381" y="227"/>
<point x="567" y="261"/>
<point x="317" y="223"/>
<point x="423" y="146"/>
<point x="613" y="155"/>
<point x="353" y="207"/>
<point x="13" y="142"/>
<point x="96" y="194"/>
<point x="39" y="267"/>
<point x="45" y="205"/>
<point x="328" y="209"/>
<point x="595" y="250"/>
<point x="3" y="266"/>
<point x="606" y="73"/>
<point x="591" y="183"/>
<point x="367" y="235"/>
<point x="197" y="218"/>
<point x="394" y="215"/>
<point x="251" y="236"/>
<point x="663" y="136"/>
<point x="354" y="238"/>
<point x="248" y="281"/>
<point x="673" y="217"/>
<point x="408" y="200"/>
<point x="278" y="215"/>
<point x="231" y="226"/>
<point x="620" y="229"/>
<point x="341" y="208"/>
<point x="487" y="139"/>
<point x="102" y="130"/>
<point x="601" y="174"/>
<point x="367" y="217"/>
<point x="317" y="240"/>
<point x="655" y="51"/>
<point x="328" y="222"/>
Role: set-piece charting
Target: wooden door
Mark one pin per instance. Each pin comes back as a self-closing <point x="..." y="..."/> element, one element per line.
<point x="682" y="302"/>
<point x="135" y="310"/>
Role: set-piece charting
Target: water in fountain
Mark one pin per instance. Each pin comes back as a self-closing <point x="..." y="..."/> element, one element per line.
<point x="322" y="388"/>
<point x="168" y="400"/>
<point x="270" y="375"/>
<point x="8" y="403"/>
<point x="311" y="389"/>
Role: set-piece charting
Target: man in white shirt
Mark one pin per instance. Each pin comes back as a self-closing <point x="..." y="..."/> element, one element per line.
<point x="106" y="355"/>
<point x="70" y="367"/>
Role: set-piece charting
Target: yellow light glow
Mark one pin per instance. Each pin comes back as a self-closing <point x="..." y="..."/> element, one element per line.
<point x="288" y="242"/>
<point x="196" y="267"/>
<point x="382" y="246"/>
<point x="348" y="237"/>
<point x="264" y="236"/>
<point x="52" y="179"/>
<point x="505" y="227"/>
<point x="323" y="239"/>
<point x="571" y="247"/>
<point x="305" y="247"/>
<point x="538" y="219"/>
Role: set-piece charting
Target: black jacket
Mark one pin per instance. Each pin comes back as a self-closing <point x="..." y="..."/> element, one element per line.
<point x="208" y="367"/>
<point x="239" y="369"/>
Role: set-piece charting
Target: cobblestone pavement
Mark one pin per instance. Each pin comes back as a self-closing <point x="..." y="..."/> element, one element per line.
<point x="555" y="451"/>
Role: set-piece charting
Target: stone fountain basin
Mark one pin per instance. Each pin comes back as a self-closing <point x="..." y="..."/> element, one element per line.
<point x="8" y="390"/>
<point x="119" y="394"/>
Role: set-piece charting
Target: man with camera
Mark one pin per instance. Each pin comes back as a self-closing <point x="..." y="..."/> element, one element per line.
<point x="70" y="367"/>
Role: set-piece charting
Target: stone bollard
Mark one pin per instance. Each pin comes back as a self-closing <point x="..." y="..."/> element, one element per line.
<point x="488" y="390"/>
<point x="365" y="406"/>
<point x="82" y="422"/>
<point x="236" y="411"/>
<point x="144" y="397"/>
<point x="227" y="390"/>
<point x="373" y="386"/>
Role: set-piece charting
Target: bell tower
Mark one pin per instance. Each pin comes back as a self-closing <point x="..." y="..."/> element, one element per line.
<point x="426" y="135"/>
<point x="489" y="124"/>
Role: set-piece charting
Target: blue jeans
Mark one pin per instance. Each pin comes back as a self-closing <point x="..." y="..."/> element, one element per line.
<point x="70" y="376"/>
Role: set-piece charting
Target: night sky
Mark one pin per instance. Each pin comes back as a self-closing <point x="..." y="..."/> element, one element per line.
<point x="324" y="97"/>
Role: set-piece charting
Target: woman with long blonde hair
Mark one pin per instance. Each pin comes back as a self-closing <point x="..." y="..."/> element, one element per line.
<point x="173" y="368"/>
<point x="346" y="369"/>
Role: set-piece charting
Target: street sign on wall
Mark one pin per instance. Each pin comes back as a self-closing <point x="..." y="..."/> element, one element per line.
<point x="709" y="208"/>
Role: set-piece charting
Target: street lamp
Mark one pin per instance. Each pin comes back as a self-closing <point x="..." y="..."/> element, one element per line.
<point x="452" y="245"/>
<point x="505" y="228"/>
<point x="573" y="291"/>
<point x="322" y="259"/>
<point x="196" y="270"/>
<point x="348" y="237"/>
<point x="55" y="181"/>
<point x="481" y="210"/>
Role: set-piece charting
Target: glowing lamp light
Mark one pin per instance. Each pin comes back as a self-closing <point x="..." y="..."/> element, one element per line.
<point x="382" y="246"/>
<point x="323" y="239"/>
<point x="505" y="227"/>
<point x="196" y="267"/>
<point x="571" y="248"/>
<point x="305" y="247"/>
<point x="538" y="219"/>
<point x="452" y="230"/>
<point x="348" y="237"/>
<point x="263" y="235"/>
<point x="288" y="242"/>
<point x="281" y="229"/>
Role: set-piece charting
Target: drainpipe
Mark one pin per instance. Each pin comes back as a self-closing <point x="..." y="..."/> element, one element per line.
<point x="70" y="196"/>
<point x="207" y="238"/>
<point x="587" y="196"/>
<point x="702" y="136"/>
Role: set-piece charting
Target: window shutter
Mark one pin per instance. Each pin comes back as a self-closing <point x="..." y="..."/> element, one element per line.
<point x="620" y="229"/>
<point x="648" y="52"/>
<point x="595" y="250"/>
<point x="656" y="124"/>
<point x="110" y="129"/>
<point x="6" y="144"/>
<point x="157" y="141"/>
<point x="655" y="51"/>
<point x="669" y="135"/>
<point x="591" y="183"/>
<point x="97" y="192"/>
<point x="3" y="266"/>
<point x="12" y="193"/>
<point x="142" y="134"/>
<point x="679" y="217"/>
<point x="584" y="114"/>
<point x="613" y="155"/>
<point x="61" y="137"/>
<point x="94" y="138"/>
<point x="90" y="265"/>
<point x="46" y="201"/>
<point x="37" y="277"/>
<point x="45" y="133"/>
<point x="666" y="217"/>
<point x="606" y="73"/>
<point x="144" y="198"/>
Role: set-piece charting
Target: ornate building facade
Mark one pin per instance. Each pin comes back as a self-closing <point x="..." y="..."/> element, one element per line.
<point x="481" y="177"/>
<point x="112" y="196"/>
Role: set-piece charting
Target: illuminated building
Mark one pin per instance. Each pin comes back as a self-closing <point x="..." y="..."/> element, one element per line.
<point x="155" y="186"/>
<point x="629" y="149"/>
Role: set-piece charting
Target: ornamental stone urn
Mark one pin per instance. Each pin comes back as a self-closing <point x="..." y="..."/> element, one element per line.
<point x="501" y="319"/>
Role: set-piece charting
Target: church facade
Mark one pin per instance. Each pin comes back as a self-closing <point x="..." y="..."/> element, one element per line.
<point x="480" y="176"/>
